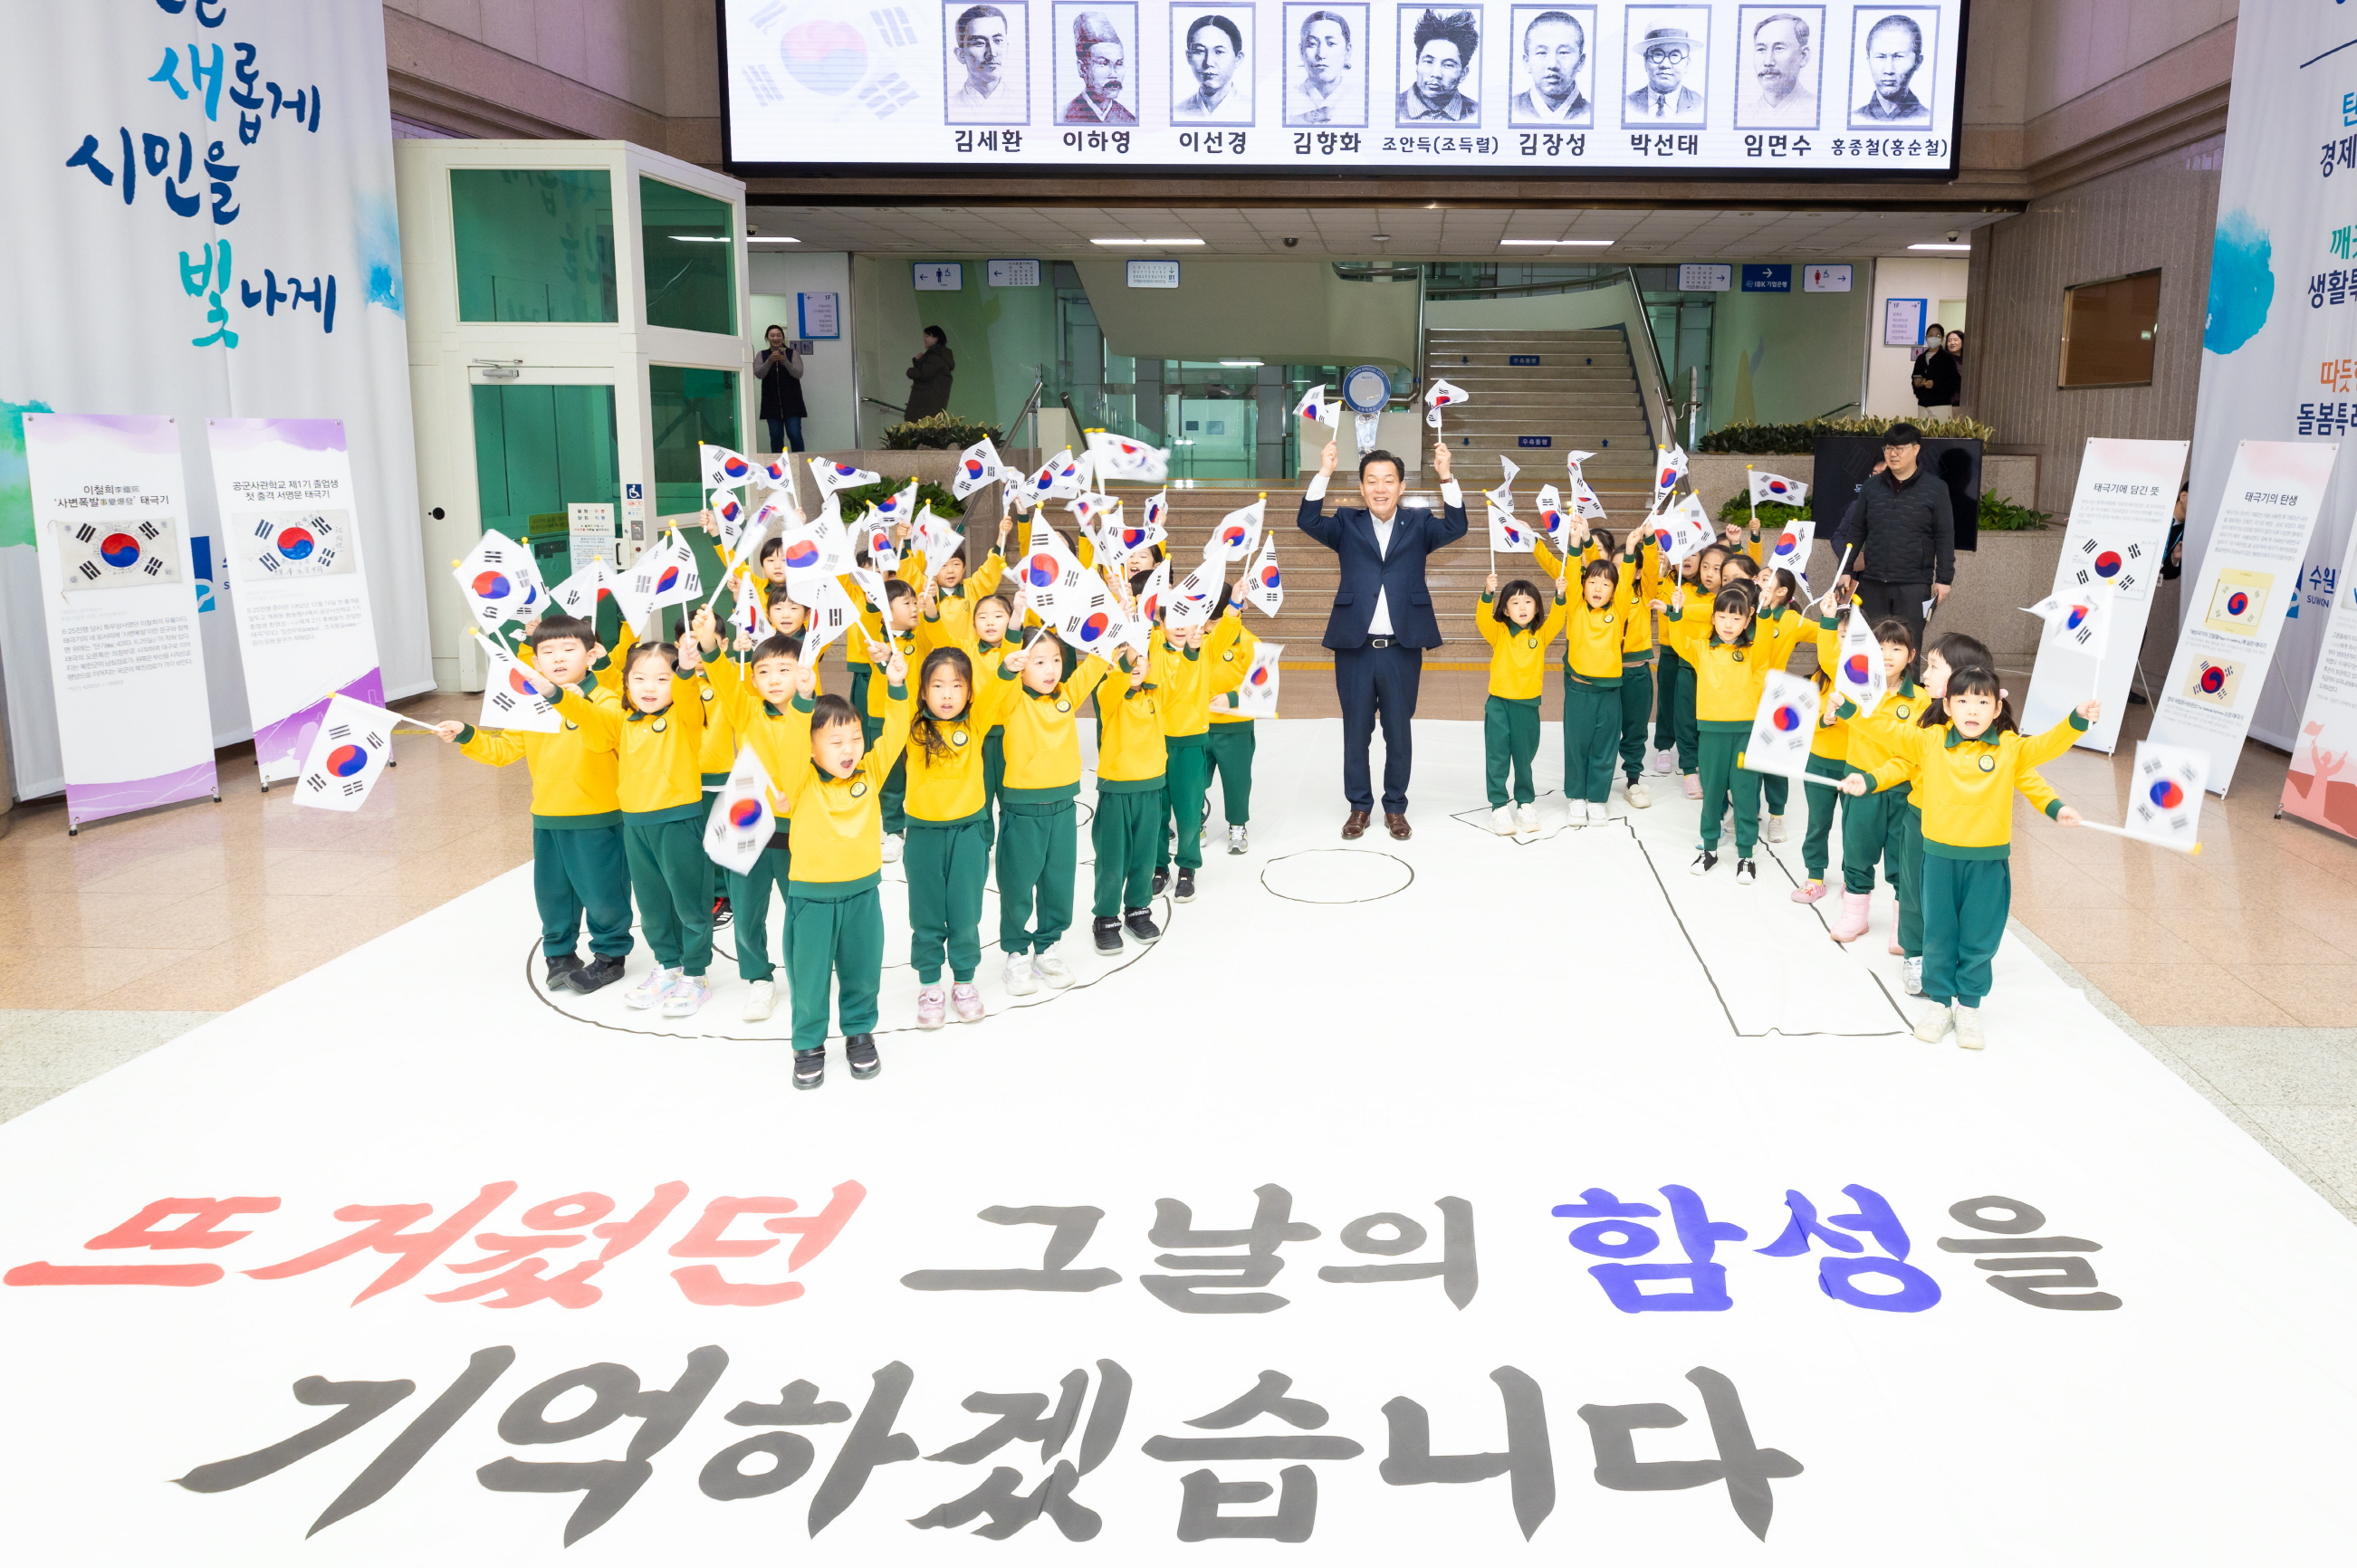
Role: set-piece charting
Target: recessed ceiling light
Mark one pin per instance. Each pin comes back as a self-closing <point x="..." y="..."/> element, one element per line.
<point x="1240" y="364"/>
<point x="1184" y="241"/>
<point x="772" y="239"/>
<point x="1555" y="241"/>
<point x="1380" y="238"/>
<point x="1939" y="247"/>
<point x="699" y="239"/>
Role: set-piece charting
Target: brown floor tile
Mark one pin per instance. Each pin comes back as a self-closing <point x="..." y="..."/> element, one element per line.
<point x="2320" y="995"/>
<point x="2166" y="995"/>
<point x="70" y="976"/>
<point x="90" y="920"/>
<point x="2121" y="941"/>
<point x="220" y="977"/>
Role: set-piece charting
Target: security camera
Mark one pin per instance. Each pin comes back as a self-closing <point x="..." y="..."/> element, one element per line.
<point x="1952" y="236"/>
<point x="1290" y="242"/>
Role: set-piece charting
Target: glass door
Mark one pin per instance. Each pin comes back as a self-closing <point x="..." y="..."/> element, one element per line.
<point x="538" y="449"/>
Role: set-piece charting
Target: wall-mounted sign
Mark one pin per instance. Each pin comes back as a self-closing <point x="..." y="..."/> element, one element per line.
<point x="820" y="315"/>
<point x="1153" y="274"/>
<point x="1832" y="277"/>
<point x="1012" y="274"/>
<point x="1706" y="277"/>
<point x="940" y="277"/>
<point x="1767" y="277"/>
<point x="1902" y="322"/>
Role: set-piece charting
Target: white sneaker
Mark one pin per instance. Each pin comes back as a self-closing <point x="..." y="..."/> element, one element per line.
<point x="1599" y="812"/>
<point x="759" y="1002"/>
<point x="684" y="995"/>
<point x="1637" y="796"/>
<point x="1526" y="824"/>
<point x="1934" y="1027"/>
<point x="1968" y="1028"/>
<point x="891" y="849"/>
<point x="1501" y="821"/>
<point x="1775" y="829"/>
<point x="1239" y="841"/>
<point x="1020" y="979"/>
<point x="648" y="991"/>
<point x="1052" y="972"/>
<point x="1911" y="977"/>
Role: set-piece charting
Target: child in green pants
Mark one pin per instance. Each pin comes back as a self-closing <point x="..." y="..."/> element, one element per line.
<point x="1037" y="827"/>
<point x="1193" y="667"/>
<point x="1127" y="830"/>
<point x="947" y="858"/>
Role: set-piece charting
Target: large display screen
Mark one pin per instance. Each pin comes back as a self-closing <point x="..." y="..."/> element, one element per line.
<point x="1300" y="86"/>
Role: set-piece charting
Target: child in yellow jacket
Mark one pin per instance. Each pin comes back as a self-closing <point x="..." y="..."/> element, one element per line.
<point x="947" y="858"/>
<point x="1193" y="667"/>
<point x="1595" y="637"/>
<point x="981" y="636"/>
<point x="1637" y="654"/>
<point x="1730" y="662"/>
<point x="1038" y="825"/>
<point x="578" y="868"/>
<point x="1880" y="827"/>
<point x="1965" y="760"/>
<point x="1517" y="623"/>
<point x="1133" y="766"/>
<point x="1233" y="738"/>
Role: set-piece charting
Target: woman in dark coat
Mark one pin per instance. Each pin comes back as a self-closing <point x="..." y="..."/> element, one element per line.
<point x="1940" y="378"/>
<point x="929" y="373"/>
<point x="781" y="370"/>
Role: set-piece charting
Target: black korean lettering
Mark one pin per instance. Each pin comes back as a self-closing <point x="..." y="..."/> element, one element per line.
<point x="871" y="1442"/>
<point x="725" y="1479"/>
<point x="1203" y="1496"/>
<point x="1071" y="1229"/>
<point x="606" y="1483"/>
<point x="1025" y="1418"/>
<point x="1745" y="1469"/>
<point x="1456" y="1267"/>
<point x="2057" y="1283"/>
<point x="1272" y="1227"/>
<point x="1528" y="1461"/>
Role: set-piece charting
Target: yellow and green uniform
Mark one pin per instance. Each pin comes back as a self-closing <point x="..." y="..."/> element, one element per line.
<point x="947" y="853"/>
<point x="1728" y="679"/>
<point x="578" y="867"/>
<point x="1131" y="765"/>
<point x="1636" y="690"/>
<point x="954" y="607"/>
<point x="1230" y="742"/>
<point x="1775" y="636"/>
<point x="1966" y="788"/>
<point x="606" y="672"/>
<point x="660" y="785"/>
<point x="1595" y="668"/>
<point x="836" y="923"/>
<point x="1886" y="826"/>
<point x="783" y="745"/>
<point x="1037" y="831"/>
<point x="1191" y="683"/>
<point x="1828" y="752"/>
<point x="1509" y="715"/>
<point x="871" y="723"/>
<point x="856" y="657"/>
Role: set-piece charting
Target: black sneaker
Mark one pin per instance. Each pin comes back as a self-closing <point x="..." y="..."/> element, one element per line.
<point x="1185" y="893"/>
<point x="1107" y="930"/>
<point x="1161" y="879"/>
<point x="561" y="971"/>
<point x="1704" y="860"/>
<point x="810" y="1069"/>
<point x="600" y="972"/>
<point x="1141" y="924"/>
<point x="859" y="1050"/>
<point x="720" y="911"/>
<point x="1745" y="873"/>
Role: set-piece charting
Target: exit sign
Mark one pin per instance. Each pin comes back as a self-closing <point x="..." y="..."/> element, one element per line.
<point x="1522" y="359"/>
<point x="1535" y="440"/>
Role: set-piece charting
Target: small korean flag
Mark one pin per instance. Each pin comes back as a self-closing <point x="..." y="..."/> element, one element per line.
<point x="978" y="468"/>
<point x="1120" y="457"/>
<point x="726" y="470"/>
<point x="1789" y="550"/>
<point x="1065" y="479"/>
<point x="1193" y="595"/>
<point x="1041" y="485"/>
<point x="1583" y="500"/>
<point x="1776" y="488"/>
<point x="831" y="612"/>
<point x="938" y="541"/>
<point x="122" y="553"/>
<point x="578" y="596"/>
<point x="499" y="580"/>
<point x="1682" y="530"/>
<point x="1505" y="490"/>
<point x="1571" y="465"/>
<point x="1238" y="533"/>
<point x="1327" y="411"/>
<point x="1785" y="724"/>
<point x="741" y="822"/>
<point x="875" y="538"/>
<point x="1157" y="590"/>
<point x="833" y="476"/>
<point x="354" y="743"/>
<point x="2080" y="621"/>
<point x="1440" y="396"/>
<point x="1507" y="535"/>
<point x="1857" y="664"/>
<point x="1088" y="620"/>
<point x="1263" y="584"/>
<point x="2164" y="802"/>
<point x="1256" y="697"/>
<point x="899" y="508"/>
<point x="1555" y="523"/>
<point x="510" y="701"/>
<point x="666" y="574"/>
<point x="1669" y="474"/>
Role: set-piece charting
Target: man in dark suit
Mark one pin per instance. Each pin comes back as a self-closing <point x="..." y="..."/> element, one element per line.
<point x="1383" y="619"/>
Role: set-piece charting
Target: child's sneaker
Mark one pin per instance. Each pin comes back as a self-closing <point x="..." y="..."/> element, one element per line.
<point x="561" y="971"/>
<point x="1239" y="841"/>
<point x="1934" y="1027"/>
<point x="1526" y="824"/>
<point x="1501" y="821"/>
<point x="859" y="1050"/>
<point x="1775" y="833"/>
<point x="1747" y="872"/>
<point x="1599" y="812"/>
<point x="720" y="911"/>
<point x="1637" y="795"/>
<point x="1665" y="762"/>
<point x="1053" y="972"/>
<point x="759" y="1002"/>
<point x="892" y="856"/>
<point x="1912" y="977"/>
<point x="1808" y="892"/>
<point x="1184" y="892"/>
<point x="1020" y="979"/>
<point x="1704" y="860"/>
<point x="596" y="975"/>
<point x="683" y="996"/>
<point x="932" y="1007"/>
<point x="1107" y="932"/>
<point x="1141" y="926"/>
<point x="810" y="1069"/>
<point x="1694" y="787"/>
<point x="1161" y="879"/>
<point x="1851" y="923"/>
<point x="1968" y="1028"/>
<point x="648" y="991"/>
<point x="965" y="1001"/>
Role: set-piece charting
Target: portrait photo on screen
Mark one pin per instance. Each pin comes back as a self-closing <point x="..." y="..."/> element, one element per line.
<point x="984" y="70"/>
<point x="1212" y="56"/>
<point x="1668" y="60"/>
<point x="1095" y="51"/>
<point x="1324" y="66"/>
<point x="1439" y="66"/>
<point x="1891" y="82"/>
<point x="1779" y="65"/>
<point x="1551" y="68"/>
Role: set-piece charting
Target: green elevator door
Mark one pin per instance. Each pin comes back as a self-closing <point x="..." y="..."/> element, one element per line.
<point x="538" y="449"/>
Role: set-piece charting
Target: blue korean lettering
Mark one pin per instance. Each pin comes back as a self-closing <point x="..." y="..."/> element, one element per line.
<point x="86" y="157"/>
<point x="295" y="100"/>
<point x="158" y="151"/>
<point x="208" y="77"/>
<point x="195" y="281"/>
<point x="1608" y="1234"/>
<point x="249" y="124"/>
<point x="222" y="174"/>
<point x="1838" y="1276"/>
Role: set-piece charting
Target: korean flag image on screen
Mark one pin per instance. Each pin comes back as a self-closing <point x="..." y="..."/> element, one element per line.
<point x="1890" y="76"/>
<point x="985" y="70"/>
<point x="1439" y="68"/>
<point x="1779" y="64"/>
<point x="1327" y="47"/>
<point x="1667" y="65"/>
<point x="1095" y="51"/>
<point x="1552" y="69"/>
<point x="1212" y="56"/>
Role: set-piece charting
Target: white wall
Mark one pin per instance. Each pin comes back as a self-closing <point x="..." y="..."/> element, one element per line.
<point x="827" y="381"/>
<point x="1889" y="387"/>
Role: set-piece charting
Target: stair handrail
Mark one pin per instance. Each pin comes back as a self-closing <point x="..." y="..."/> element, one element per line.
<point x="1654" y="346"/>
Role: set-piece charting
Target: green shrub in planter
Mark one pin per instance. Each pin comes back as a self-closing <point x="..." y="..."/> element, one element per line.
<point x="856" y="502"/>
<point x="2004" y="517"/>
<point x="940" y="433"/>
<point x="1774" y="515"/>
<point x="1800" y="439"/>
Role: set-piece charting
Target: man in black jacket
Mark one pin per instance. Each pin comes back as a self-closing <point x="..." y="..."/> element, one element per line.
<point x="1902" y="534"/>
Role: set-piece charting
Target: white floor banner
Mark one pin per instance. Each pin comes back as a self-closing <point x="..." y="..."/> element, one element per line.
<point x="2322" y="786"/>
<point x="118" y="598"/>
<point x="2119" y="521"/>
<point x="290" y="521"/>
<point x="2235" y="615"/>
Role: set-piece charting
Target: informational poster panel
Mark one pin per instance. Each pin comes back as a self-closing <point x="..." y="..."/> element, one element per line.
<point x="291" y="530"/>
<point x="2119" y="522"/>
<point x="119" y="603"/>
<point x="2234" y="616"/>
<point x="2322" y="785"/>
<point x="1509" y="86"/>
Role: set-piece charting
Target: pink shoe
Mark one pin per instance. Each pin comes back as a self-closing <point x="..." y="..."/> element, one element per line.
<point x="1852" y="923"/>
<point x="965" y="1001"/>
<point x="1694" y="787"/>
<point x="930" y="1007"/>
<point x="1808" y="892"/>
<point x="1896" y="950"/>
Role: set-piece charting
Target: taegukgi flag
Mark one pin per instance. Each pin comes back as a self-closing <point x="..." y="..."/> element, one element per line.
<point x="2164" y="802"/>
<point x="1680" y="530"/>
<point x="726" y="470"/>
<point x="1327" y="411"/>
<point x="1264" y="585"/>
<point x="1858" y="675"/>
<point x="1509" y="533"/>
<point x="510" y="698"/>
<point x="347" y="756"/>
<point x="740" y="824"/>
<point x="2080" y="621"/>
<point x="833" y="476"/>
<point x="1255" y="698"/>
<point x="1776" y="488"/>
<point x="1440" y="396"/>
<point x="1238" y="532"/>
<point x="1784" y="727"/>
<point x="499" y="580"/>
<point x="978" y="468"/>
